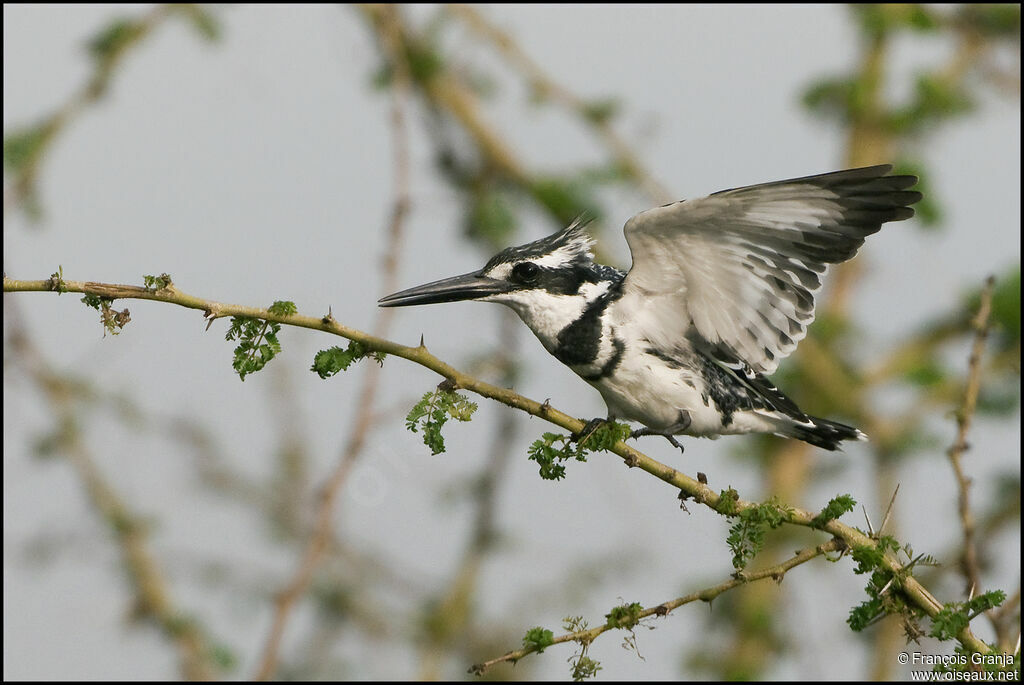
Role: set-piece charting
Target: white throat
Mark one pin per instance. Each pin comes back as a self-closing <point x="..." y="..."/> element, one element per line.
<point x="548" y="314"/>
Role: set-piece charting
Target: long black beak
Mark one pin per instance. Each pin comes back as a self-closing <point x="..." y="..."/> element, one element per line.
<point x="465" y="287"/>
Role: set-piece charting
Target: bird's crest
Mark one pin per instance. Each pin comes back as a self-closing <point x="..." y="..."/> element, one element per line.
<point x="570" y="245"/>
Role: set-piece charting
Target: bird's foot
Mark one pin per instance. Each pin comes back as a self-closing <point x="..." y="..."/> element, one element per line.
<point x="591" y="426"/>
<point x="668" y="433"/>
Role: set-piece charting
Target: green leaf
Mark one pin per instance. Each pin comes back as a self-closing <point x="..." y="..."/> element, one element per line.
<point x="955" y="616"/>
<point x="538" y="638"/>
<point x="624" y="616"/>
<point x="328" y="362"/>
<point x="283" y="308"/>
<point x="552" y="449"/>
<point x="835" y="508"/>
<point x="746" y="536"/>
<point x="431" y="413"/>
<point x="156" y="282"/>
<point x="727" y="502"/>
<point x="23" y="147"/>
<point x="870" y="557"/>
<point x="57" y="281"/>
<point x="257" y="344"/>
<point x="863" y="614"/>
<point x="113" y="321"/>
<point x="584" y="667"/>
<point x="106" y="45"/>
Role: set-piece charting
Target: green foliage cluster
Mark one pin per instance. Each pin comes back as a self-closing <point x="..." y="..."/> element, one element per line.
<point x="23" y="146"/>
<point x="156" y="282"/>
<point x="111" y="42"/>
<point x="257" y="339"/>
<point x="538" y="638"/>
<point x="555" y="448"/>
<point x="746" y="536"/>
<point x="113" y="39"/>
<point x="955" y="616"/>
<point x="836" y="507"/>
<point x="433" y="411"/>
<point x="57" y="281"/>
<point x="884" y="595"/>
<point x="624" y="616"/>
<point x="328" y="362"/>
<point x="113" y="321"/>
<point x="582" y="666"/>
<point x="870" y="557"/>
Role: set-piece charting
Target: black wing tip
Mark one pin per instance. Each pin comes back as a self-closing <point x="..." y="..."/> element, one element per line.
<point x="868" y="178"/>
<point x="878" y="172"/>
<point x="870" y="193"/>
<point x="828" y="435"/>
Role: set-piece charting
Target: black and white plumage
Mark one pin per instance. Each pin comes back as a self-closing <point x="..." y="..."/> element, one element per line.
<point x="721" y="289"/>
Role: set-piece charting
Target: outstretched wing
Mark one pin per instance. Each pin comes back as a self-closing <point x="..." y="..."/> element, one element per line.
<point x="736" y="272"/>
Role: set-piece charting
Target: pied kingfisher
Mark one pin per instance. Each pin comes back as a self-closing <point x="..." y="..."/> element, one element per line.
<point x="720" y="290"/>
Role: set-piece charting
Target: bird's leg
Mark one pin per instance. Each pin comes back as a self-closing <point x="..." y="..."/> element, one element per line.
<point x="670" y="432"/>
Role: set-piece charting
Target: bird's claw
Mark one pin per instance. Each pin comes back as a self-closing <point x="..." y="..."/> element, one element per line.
<point x="640" y="432"/>
<point x="669" y="433"/>
<point x="588" y="430"/>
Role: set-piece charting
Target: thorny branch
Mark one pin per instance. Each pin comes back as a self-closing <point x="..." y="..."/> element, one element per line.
<point x="964" y="414"/>
<point x="776" y="572"/>
<point x="915" y="593"/>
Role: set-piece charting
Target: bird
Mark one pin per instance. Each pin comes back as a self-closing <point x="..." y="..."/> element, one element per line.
<point x="720" y="290"/>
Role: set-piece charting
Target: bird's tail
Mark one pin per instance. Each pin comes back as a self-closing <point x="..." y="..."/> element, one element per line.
<point x="824" y="433"/>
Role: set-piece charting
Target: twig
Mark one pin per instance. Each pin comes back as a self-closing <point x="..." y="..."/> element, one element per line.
<point x="363" y="419"/>
<point x="981" y="324"/>
<point x="776" y="572"/>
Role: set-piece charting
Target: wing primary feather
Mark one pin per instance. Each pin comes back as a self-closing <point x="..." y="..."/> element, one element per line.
<point x="735" y="272"/>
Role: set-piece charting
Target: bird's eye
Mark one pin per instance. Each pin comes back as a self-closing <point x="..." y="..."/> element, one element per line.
<point x="525" y="272"/>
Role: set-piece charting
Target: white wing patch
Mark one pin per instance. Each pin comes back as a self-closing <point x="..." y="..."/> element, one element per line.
<point x="735" y="272"/>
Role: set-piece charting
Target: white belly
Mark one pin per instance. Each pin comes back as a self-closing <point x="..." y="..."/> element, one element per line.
<point x="653" y="392"/>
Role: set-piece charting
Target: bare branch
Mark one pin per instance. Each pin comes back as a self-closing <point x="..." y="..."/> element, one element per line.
<point x="981" y="324"/>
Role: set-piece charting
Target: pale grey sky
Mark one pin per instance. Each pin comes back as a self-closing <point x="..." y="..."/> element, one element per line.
<point x="258" y="168"/>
